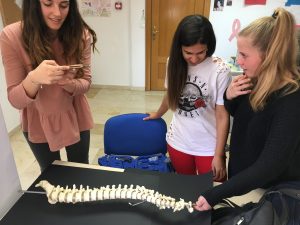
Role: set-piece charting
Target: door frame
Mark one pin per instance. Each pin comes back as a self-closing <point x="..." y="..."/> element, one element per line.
<point x="148" y="37"/>
<point x="148" y="34"/>
<point x="10" y="12"/>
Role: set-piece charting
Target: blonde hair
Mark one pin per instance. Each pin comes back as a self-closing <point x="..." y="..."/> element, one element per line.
<point x="275" y="37"/>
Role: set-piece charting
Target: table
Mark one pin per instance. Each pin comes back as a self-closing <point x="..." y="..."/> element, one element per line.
<point x="35" y="209"/>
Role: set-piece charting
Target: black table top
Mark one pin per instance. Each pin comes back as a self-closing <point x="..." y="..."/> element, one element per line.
<point x="33" y="209"/>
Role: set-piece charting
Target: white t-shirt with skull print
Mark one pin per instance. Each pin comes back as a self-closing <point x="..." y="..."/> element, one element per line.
<point x="193" y="126"/>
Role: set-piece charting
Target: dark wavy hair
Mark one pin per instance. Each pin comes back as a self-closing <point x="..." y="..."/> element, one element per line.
<point x="36" y="38"/>
<point x="193" y="29"/>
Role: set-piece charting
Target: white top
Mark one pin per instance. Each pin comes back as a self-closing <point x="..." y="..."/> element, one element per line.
<point x="193" y="126"/>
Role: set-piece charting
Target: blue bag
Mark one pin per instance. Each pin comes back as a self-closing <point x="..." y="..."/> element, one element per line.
<point x="157" y="162"/>
<point x="117" y="161"/>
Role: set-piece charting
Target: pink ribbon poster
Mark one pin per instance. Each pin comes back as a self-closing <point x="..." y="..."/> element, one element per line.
<point x="236" y="26"/>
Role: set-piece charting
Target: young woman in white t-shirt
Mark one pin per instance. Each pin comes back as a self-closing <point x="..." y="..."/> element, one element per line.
<point x="195" y="84"/>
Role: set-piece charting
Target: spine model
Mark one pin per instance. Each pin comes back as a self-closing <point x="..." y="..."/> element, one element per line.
<point x="74" y="195"/>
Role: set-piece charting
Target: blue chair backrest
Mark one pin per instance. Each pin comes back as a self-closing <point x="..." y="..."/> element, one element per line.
<point x="129" y="134"/>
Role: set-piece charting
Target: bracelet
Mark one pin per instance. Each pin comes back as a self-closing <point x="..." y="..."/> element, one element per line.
<point x="221" y="156"/>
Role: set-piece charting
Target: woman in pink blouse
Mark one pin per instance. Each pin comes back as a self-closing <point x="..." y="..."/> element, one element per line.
<point x="36" y="53"/>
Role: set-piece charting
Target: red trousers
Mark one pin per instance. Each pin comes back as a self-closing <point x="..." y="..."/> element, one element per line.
<point x="189" y="164"/>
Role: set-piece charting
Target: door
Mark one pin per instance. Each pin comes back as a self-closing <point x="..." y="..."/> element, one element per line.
<point x="162" y="18"/>
<point x="10" y="12"/>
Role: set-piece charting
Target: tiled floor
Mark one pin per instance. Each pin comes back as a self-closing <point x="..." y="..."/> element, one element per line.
<point x="104" y="104"/>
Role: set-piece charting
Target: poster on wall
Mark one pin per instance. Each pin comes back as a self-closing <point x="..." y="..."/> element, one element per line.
<point x="100" y="8"/>
<point x="255" y="2"/>
<point x="238" y="15"/>
<point x="218" y="5"/>
<point x="229" y="3"/>
<point x="292" y="2"/>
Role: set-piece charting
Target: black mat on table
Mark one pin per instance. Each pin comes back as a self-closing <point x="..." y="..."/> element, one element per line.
<point x="34" y="209"/>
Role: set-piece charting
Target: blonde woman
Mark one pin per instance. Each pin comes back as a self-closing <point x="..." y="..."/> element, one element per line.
<point x="265" y="104"/>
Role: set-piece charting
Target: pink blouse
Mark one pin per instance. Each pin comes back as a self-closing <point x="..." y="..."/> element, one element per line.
<point x="54" y="115"/>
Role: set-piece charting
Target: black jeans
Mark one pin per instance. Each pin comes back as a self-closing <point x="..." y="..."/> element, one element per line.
<point x="78" y="152"/>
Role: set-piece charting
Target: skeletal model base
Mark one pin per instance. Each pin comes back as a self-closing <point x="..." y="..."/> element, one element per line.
<point x="73" y="195"/>
<point x="35" y="209"/>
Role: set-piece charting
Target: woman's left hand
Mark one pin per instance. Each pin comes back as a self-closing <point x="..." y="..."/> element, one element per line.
<point x="68" y="78"/>
<point x="202" y="204"/>
<point x="219" y="168"/>
<point x="240" y="85"/>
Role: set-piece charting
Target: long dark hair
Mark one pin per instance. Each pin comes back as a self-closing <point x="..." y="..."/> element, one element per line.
<point x="193" y="29"/>
<point x="36" y="38"/>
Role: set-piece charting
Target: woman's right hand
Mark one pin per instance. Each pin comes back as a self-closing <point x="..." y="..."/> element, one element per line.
<point x="152" y="116"/>
<point x="48" y="72"/>
<point x="240" y="85"/>
<point x="202" y="204"/>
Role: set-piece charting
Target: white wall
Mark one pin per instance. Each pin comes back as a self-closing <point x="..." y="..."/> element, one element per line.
<point x="111" y="66"/>
<point x="11" y="115"/>
<point x="137" y="36"/>
<point x="222" y="21"/>
<point x="121" y="45"/>
<point x="10" y="183"/>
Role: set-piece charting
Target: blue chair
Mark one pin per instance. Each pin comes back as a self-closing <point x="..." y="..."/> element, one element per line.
<point x="129" y="135"/>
